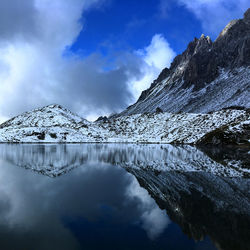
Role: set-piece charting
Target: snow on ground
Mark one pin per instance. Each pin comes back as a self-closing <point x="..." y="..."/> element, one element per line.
<point x="54" y="124"/>
<point x="170" y="128"/>
<point x="230" y="88"/>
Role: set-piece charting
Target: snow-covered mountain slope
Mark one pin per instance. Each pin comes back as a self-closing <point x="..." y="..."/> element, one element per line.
<point x="203" y="79"/>
<point x="56" y="124"/>
<point x="206" y="77"/>
<point x="49" y="116"/>
<point x="178" y="128"/>
<point x="52" y="123"/>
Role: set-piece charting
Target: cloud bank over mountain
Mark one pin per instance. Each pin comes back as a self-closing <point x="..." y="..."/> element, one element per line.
<point x="37" y="69"/>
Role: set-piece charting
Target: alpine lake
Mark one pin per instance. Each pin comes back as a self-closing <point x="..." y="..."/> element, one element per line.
<point x="124" y="196"/>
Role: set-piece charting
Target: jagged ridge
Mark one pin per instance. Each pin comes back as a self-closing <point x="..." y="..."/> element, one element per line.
<point x="207" y="76"/>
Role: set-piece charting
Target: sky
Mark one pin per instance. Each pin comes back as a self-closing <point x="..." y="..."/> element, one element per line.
<point x="96" y="56"/>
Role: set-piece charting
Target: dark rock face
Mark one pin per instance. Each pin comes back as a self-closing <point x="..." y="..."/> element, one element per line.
<point x="225" y="136"/>
<point x="202" y="63"/>
<point x="200" y="68"/>
<point x="158" y="110"/>
<point x="102" y="119"/>
<point x="234" y="134"/>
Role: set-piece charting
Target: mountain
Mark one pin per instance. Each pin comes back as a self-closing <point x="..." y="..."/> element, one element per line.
<point x="49" y="116"/>
<point x="227" y="126"/>
<point x="55" y="124"/>
<point x="52" y="123"/>
<point x="206" y="77"/>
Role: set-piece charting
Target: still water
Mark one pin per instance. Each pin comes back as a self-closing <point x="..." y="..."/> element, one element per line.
<point x="116" y="196"/>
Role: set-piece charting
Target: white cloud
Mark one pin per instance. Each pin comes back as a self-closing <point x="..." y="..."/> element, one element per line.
<point x="215" y="14"/>
<point x="158" y="54"/>
<point x="156" y="57"/>
<point x="30" y="61"/>
<point x="34" y="70"/>
<point x="58" y="22"/>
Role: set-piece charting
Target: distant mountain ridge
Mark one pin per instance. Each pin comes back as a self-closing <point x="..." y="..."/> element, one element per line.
<point x="206" y="77"/>
<point x="52" y="123"/>
<point x="53" y="115"/>
<point x="55" y="124"/>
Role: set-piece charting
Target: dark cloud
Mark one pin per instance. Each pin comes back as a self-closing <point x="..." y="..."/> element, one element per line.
<point x="96" y="89"/>
<point x="82" y="85"/>
<point x="34" y="73"/>
<point x="17" y="19"/>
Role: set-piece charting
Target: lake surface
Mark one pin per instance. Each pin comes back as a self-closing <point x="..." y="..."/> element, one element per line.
<point x="122" y="196"/>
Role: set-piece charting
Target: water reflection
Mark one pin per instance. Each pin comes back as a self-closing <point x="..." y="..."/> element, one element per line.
<point x="118" y="197"/>
<point x="54" y="160"/>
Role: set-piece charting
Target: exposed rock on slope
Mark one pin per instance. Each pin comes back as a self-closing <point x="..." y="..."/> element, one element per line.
<point x="206" y="77"/>
<point x="56" y="124"/>
<point x="238" y="133"/>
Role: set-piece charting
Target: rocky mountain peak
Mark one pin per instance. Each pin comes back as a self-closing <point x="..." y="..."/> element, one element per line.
<point x="48" y="116"/>
<point x="203" y="44"/>
<point x="247" y="16"/>
<point x="54" y="105"/>
<point x="202" y="63"/>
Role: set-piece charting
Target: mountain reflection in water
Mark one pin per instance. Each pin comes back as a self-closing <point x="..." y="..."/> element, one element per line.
<point x="123" y="196"/>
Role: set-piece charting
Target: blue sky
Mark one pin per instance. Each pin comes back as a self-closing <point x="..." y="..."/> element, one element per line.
<point x="96" y="56"/>
<point x="130" y="25"/>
